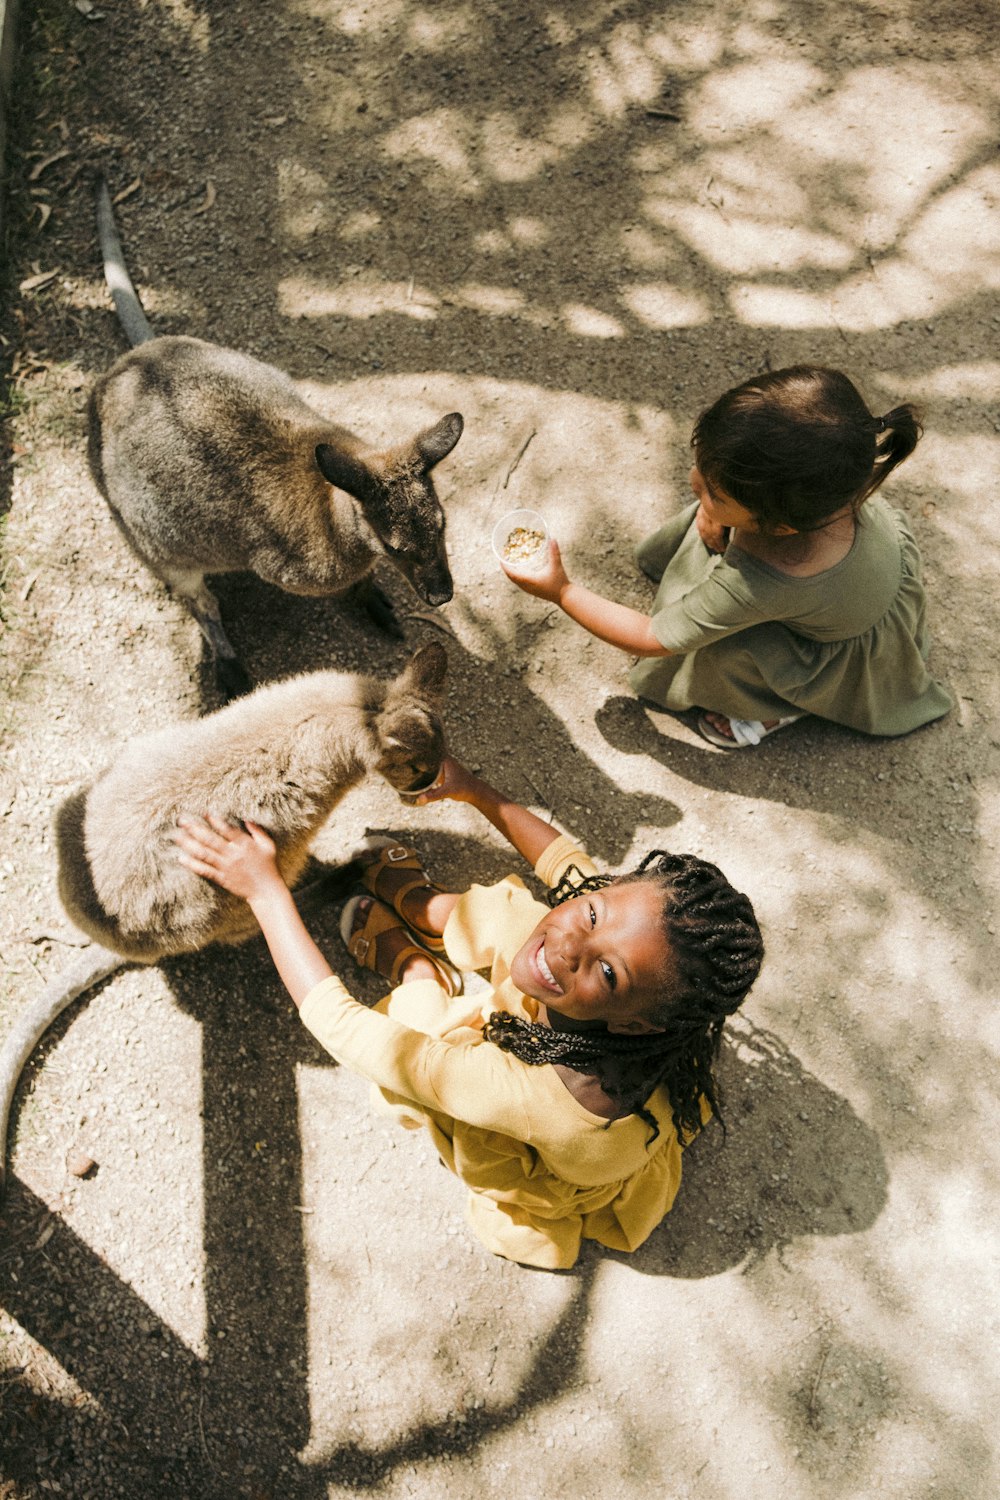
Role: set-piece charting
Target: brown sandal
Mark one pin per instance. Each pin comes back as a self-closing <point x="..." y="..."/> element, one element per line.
<point x="390" y="856"/>
<point x="362" y="945"/>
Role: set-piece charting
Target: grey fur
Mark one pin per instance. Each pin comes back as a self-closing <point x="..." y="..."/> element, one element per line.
<point x="282" y="757"/>
<point x="213" y="463"/>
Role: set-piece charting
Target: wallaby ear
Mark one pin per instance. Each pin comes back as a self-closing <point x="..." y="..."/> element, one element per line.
<point x="426" y="671"/>
<point x="437" y="441"/>
<point x="343" y="470"/>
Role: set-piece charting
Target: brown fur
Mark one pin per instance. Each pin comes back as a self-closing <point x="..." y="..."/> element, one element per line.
<point x="283" y="757"/>
<point x="211" y="462"/>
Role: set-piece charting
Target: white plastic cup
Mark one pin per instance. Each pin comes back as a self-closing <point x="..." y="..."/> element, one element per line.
<point x="512" y="531"/>
<point x="419" y="791"/>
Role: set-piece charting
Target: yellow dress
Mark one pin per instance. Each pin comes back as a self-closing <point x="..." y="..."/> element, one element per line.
<point x="543" y="1172"/>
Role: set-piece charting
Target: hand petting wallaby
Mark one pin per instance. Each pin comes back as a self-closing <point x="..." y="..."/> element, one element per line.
<point x="211" y="462"/>
<point x="282" y="757"/>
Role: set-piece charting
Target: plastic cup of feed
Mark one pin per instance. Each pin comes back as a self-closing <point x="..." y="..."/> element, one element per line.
<point x="521" y="541"/>
<point x="428" y="786"/>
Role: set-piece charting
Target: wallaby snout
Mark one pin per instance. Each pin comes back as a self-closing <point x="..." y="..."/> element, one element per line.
<point x="410" y="732"/>
<point x="432" y="582"/>
<point x="396" y="496"/>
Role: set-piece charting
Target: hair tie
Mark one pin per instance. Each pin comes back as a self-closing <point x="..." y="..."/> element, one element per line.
<point x="880" y="424"/>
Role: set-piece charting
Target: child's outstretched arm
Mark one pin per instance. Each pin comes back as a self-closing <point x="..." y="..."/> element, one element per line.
<point x="617" y="624"/>
<point x="529" y="834"/>
<point x="245" y="864"/>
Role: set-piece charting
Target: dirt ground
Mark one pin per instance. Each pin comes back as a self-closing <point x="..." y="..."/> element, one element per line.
<point x="576" y="224"/>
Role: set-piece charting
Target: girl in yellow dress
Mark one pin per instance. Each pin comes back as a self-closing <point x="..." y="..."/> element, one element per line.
<point x="564" y="1093"/>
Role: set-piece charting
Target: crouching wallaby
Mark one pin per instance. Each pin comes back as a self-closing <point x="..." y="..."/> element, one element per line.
<point x="282" y="757"/>
<point x="212" y="463"/>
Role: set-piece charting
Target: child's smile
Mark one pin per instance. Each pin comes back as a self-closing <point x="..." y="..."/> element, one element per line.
<point x="546" y="975"/>
<point x="601" y="958"/>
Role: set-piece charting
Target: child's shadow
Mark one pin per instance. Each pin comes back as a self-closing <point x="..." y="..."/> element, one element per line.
<point x="796" y="1161"/>
<point x="799" y="768"/>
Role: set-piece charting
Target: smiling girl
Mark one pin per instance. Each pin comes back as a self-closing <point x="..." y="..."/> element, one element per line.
<point x="564" y="1094"/>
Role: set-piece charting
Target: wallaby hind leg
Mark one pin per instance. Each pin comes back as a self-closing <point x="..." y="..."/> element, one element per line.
<point x="377" y="605"/>
<point x="190" y="585"/>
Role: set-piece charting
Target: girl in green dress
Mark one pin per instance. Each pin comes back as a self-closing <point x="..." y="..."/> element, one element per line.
<point x="785" y="589"/>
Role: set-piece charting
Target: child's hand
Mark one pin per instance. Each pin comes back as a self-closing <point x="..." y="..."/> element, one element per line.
<point x="245" y="864"/>
<point x="454" y="781"/>
<point x="715" y="537"/>
<point x="546" y="582"/>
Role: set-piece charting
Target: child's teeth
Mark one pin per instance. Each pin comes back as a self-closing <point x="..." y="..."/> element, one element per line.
<point x="547" y="973"/>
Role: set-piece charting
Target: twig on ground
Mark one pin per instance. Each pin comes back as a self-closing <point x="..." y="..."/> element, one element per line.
<point x="542" y="800"/>
<point x="522" y="451"/>
<point x="811" y="1403"/>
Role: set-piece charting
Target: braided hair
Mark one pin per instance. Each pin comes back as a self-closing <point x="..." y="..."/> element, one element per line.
<point x="715" y="950"/>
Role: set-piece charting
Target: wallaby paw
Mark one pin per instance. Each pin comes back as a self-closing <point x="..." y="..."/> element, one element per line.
<point x="375" y="602"/>
<point x="232" y="678"/>
<point x="381" y="613"/>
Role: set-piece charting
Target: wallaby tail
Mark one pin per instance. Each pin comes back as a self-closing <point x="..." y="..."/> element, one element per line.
<point x="91" y="965"/>
<point x="124" y="295"/>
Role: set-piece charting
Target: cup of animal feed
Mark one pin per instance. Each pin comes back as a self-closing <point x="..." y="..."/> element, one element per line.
<point x="427" y="784"/>
<point x="521" y="541"/>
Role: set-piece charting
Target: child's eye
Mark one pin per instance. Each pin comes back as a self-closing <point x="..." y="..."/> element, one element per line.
<point x="609" y="974"/>
<point x="593" y="916"/>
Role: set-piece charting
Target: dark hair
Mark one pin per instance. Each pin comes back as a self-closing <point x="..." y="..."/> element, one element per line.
<point x="794" y="446"/>
<point x="715" y="955"/>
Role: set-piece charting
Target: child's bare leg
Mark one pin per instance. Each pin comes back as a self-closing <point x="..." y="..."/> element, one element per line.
<point x="426" y="908"/>
<point x="390" y="945"/>
<point x="429" y="910"/>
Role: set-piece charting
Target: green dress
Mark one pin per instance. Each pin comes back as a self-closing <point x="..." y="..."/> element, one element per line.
<point x="849" y="644"/>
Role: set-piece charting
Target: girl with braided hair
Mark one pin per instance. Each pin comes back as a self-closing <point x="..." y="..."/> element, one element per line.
<point x="562" y="1094"/>
<point x="785" y="589"/>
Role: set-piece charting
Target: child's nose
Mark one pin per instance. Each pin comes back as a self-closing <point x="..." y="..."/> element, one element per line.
<point x="574" y="940"/>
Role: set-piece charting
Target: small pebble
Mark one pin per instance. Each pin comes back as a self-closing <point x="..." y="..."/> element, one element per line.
<point x="78" y="1162"/>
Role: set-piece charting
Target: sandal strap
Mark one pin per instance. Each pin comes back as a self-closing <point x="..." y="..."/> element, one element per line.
<point x="399" y="857"/>
<point x="362" y="945"/>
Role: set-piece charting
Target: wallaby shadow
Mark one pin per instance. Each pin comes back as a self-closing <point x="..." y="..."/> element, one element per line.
<point x="795" y="1161"/>
<point x="278" y="634"/>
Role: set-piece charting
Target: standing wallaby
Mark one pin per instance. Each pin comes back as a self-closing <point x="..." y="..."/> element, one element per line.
<point x="212" y="463"/>
<point x="282" y="757"/>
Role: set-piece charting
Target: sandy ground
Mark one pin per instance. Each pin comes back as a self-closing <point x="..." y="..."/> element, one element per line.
<point x="576" y="224"/>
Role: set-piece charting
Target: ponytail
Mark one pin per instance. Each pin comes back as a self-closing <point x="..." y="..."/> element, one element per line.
<point x="896" y="436"/>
